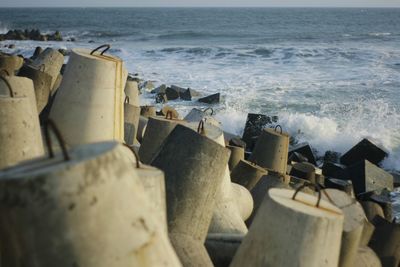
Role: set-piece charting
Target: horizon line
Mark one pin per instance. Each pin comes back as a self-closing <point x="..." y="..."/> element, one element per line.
<point x="36" y="7"/>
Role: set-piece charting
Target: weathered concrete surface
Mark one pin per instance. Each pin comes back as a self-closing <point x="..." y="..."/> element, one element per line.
<point x="289" y="232"/>
<point x="80" y="212"/>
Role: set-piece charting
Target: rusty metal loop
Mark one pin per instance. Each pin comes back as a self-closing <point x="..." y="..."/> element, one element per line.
<point x="322" y="187"/>
<point x="207" y="109"/>
<point x="317" y="188"/>
<point x="135" y="154"/>
<point x="106" y="46"/>
<point x="5" y="72"/>
<point x="51" y="125"/>
<point x="169" y="115"/>
<point x="278" y="126"/>
<point x="200" y="128"/>
<point x="126" y="101"/>
<point x="8" y="85"/>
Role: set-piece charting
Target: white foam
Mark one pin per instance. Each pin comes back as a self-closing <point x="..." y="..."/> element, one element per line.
<point x="3" y="28"/>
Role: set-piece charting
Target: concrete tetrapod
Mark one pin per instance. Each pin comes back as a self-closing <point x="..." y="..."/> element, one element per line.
<point x="21" y="87"/>
<point x="157" y="130"/>
<point x="132" y="91"/>
<point x="247" y="174"/>
<point x="244" y="200"/>
<point x="295" y="235"/>
<point x="354" y="218"/>
<point x="227" y="217"/>
<point x="41" y="82"/>
<point x="260" y="190"/>
<point x="87" y="208"/>
<point x="153" y="181"/>
<point x="188" y="160"/>
<point x="52" y="60"/>
<point x="20" y="136"/>
<point x="131" y="122"/>
<point x="11" y="63"/>
<point x="237" y="154"/>
<point x="366" y="257"/>
<point x="89" y="106"/>
<point x="148" y="111"/>
<point x="141" y="128"/>
<point x="271" y="150"/>
<point x="196" y="115"/>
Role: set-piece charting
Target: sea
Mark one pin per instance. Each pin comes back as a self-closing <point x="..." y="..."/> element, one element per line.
<point x="331" y="75"/>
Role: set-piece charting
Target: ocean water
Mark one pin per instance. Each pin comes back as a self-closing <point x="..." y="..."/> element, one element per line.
<point x="331" y="75"/>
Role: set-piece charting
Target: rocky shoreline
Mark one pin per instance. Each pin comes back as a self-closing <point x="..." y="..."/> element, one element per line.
<point x="176" y="190"/>
<point x="33" y="34"/>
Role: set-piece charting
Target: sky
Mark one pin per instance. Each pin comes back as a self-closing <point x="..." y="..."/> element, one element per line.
<point x="202" y="3"/>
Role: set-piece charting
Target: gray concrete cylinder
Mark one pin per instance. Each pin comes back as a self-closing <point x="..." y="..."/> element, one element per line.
<point x="52" y="60"/>
<point x="141" y="128"/>
<point x="148" y="111"/>
<point x="20" y="136"/>
<point x="157" y="130"/>
<point x="354" y="218"/>
<point x="196" y="115"/>
<point x="42" y="84"/>
<point x="259" y="192"/>
<point x="188" y="160"/>
<point x="153" y="181"/>
<point x="271" y="150"/>
<point x="131" y="123"/>
<point x="237" y="154"/>
<point x="304" y="170"/>
<point x="89" y="210"/>
<point x="247" y="174"/>
<point x="89" y="105"/>
<point x="244" y="200"/>
<point x="292" y="232"/>
<point x="366" y="257"/>
<point x="132" y="91"/>
<point x="21" y="87"/>
<point x="372" y="209"/>
<point x="10" y="63"/>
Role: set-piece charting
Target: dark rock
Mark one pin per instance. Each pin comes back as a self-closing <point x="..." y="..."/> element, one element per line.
<point x="297" y="157"/>
<point x="161" y="89"/>
<point x="386" y="242"/>
<point x="33" y="34"/>
<point x="222" y="248"/>
<point x="364" y="150"/>
<point x="211" y="99"/>
<point x="11" y="46"/>
<point x="335" y="170"/>
<point x="172" y="94"/>
<point x="368" y="177"/>
<point x="343" y="185"/>
<point x="255" y="123"/>
<point x="304" y="171"/>
<point x="304" y="149"/>
<point x="37" y="52"/>
<point x="332" y="156"/>
<point x="237" y="142"/>
<point x="91" y="42"/>
<point x="188" y="94"/>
